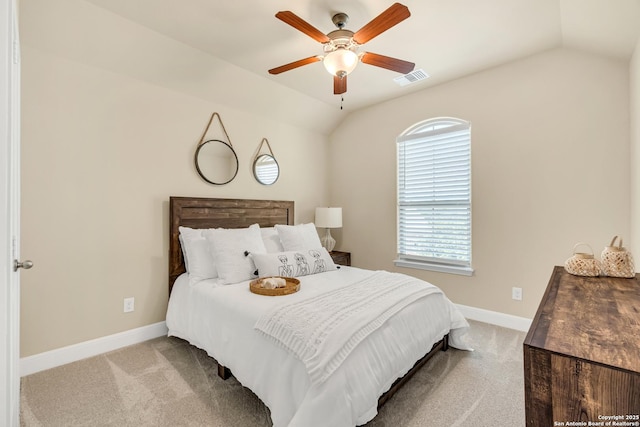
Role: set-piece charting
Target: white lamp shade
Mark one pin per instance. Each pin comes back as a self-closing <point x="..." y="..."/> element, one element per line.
<point x="340" y="60"/>
<point x="328" y="217"/>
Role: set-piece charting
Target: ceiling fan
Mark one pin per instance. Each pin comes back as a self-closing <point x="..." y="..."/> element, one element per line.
<point x="341" y="46"/>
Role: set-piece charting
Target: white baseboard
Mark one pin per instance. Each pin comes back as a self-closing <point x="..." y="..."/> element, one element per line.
<point x="62" y="356"/>
<point x="496" y="318"/>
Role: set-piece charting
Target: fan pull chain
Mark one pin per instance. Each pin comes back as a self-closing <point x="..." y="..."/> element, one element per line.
<point x="341" y="101"/>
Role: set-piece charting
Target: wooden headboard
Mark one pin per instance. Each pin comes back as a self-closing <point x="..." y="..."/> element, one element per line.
<point x="198" y="212"/>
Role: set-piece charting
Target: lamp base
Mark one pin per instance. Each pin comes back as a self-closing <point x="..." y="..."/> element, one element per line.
<point x="327" y="241"/>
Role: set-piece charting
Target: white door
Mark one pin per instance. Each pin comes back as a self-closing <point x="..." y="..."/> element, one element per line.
<point x="9" y="215"/>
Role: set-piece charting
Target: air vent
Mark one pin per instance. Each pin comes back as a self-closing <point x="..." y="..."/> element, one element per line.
<point x="413" y="77"/>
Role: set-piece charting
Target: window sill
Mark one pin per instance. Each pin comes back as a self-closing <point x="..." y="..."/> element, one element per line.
<point x="441" y="268"/>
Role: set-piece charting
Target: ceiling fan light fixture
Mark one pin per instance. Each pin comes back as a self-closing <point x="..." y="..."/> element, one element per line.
<point x="340" y="46"/>
<point x="340" y="62"/>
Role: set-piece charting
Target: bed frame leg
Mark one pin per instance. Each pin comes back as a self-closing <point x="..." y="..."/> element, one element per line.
<point x="445" y="343"/>
<point x="223" y="372"/>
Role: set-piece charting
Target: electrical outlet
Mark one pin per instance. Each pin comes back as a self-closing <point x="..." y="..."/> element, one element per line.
<point x="516" y="294"/>
<point x="129" y="304"/>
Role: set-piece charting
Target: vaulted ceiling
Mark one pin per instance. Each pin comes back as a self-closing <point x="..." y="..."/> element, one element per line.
<point x="447" y="39"/>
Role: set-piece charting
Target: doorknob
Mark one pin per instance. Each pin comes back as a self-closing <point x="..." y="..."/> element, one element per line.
<point x="26" y="264"/>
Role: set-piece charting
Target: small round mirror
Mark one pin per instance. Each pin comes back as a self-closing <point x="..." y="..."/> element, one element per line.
<point x="216" y="162"/>
<point x="266" y="169"/>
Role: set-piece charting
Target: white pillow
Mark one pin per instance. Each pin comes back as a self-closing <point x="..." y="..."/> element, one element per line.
<point x="184" y="234"/>
<point x="271" y="239"/>
<point x="185" y="257"/>
<point x="198" y="259"/>
<point x="293" y="263"/>
<point x="299" y="237"/>
<point x="229" y="246"/>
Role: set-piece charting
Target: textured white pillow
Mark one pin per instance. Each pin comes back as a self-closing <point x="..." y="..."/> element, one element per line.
<point x="198" y="259"/>
<point x="185" y="234"/>
<point x="229" y="246"/>
<point x="293" y="263"/>
<point x="299" y="237"/>
<point x="271" y="239"/>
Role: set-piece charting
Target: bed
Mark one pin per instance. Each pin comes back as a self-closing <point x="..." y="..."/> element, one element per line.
<point x="228" y="321"/>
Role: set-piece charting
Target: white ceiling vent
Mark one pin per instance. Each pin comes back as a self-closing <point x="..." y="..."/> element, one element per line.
<point x="413" y="77"/>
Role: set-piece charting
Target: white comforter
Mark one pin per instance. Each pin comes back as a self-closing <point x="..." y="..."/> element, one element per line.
<point x="221" y="320"/>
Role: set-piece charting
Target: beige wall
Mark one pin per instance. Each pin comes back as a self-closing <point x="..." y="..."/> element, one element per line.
<point x="112" y="113"/>
<point x="102" y="151"/>
<point x="550" y="150"/>
<point x="634" y="73"/>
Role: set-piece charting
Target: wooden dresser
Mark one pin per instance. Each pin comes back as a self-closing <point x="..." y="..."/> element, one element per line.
<point x="582" y="353"/>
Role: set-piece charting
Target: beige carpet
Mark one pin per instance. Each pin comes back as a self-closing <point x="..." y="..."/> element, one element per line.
<point x="167" y="382"/>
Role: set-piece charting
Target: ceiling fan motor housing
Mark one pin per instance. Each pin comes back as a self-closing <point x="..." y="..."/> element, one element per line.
<point x="340" y="39"/>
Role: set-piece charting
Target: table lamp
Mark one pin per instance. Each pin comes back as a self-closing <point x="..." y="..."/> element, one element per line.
<point x="328" y="218"/>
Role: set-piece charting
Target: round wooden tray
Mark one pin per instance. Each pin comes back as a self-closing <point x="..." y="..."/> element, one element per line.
<point x="292" y="286"/>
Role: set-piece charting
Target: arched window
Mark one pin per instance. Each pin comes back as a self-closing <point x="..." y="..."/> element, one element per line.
<point x="434" y="196"/>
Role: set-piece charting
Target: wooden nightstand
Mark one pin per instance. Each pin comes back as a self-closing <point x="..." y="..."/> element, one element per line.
<point x="341" y="258"/>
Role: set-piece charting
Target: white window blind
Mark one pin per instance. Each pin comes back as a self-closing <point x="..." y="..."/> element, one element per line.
<point x="434" y="196"/>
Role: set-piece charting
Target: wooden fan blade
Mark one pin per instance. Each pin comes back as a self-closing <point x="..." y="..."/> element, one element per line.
<point x="339" y="85"/>
<point x="387" y="62"/>
<point x="387" y="19"/>
<point x="295" y="64"/>
<point x="301" y="25"/>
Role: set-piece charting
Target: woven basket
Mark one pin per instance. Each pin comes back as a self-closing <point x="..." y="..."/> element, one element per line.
<point x="292" y="286"/>
<point x="616" y="261"/>
<point x="582" y="264"/>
